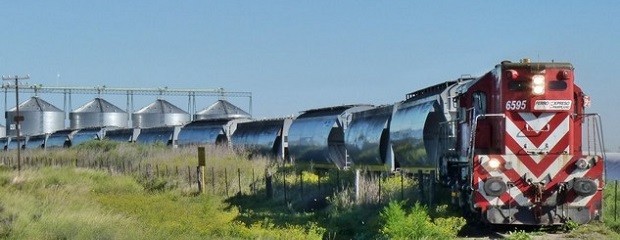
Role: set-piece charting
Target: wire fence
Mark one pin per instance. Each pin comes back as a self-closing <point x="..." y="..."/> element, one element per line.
<point x="284" y="183"/>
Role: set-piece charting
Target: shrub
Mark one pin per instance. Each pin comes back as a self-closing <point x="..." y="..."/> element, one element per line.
<point x="416" y="224"/>
<point x="519" y="235"/>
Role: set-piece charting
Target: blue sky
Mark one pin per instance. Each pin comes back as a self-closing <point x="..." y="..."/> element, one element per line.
<point x="297" y="55"/>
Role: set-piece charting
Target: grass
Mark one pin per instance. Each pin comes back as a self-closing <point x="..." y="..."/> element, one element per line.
<point x="74" y="203"/>
<point x="128" y="191"/>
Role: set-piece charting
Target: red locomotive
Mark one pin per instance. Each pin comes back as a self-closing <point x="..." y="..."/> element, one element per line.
<point x="522" y="128"/>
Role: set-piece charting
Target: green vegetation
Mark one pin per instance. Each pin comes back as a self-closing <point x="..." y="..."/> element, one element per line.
<point x="417" y="224"/>
<point x="75" y="203"/>
<point x="108" y="190"/>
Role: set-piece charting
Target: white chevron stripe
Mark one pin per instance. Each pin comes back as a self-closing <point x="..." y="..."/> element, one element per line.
<point x="537" y="123"/>
<point x="558" y="132"/>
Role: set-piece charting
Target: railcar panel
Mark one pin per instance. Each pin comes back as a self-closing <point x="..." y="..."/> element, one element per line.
<point x="261" y="137"/>
<point x="120" y="135"/>
<point x="3" y="142"/>
<point x="156" y="135"/>
<point x="35" y="142"/>
<point x="367" y="137"/>
<point x="85" y="135"/>
<point x="59" y="139"/>
<point x="202" y="132"/>
<point x="407" y="134"/>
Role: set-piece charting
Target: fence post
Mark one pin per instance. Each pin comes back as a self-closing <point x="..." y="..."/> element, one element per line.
<point x="431" y="189"/>
<point x="201" y="169"/>
<point x="402" y="185"/>
<point x="380" y="179"/>
<point x="284" y="183"/>
<point x="213" y="179"/>
<point x="337" y="180"/>
<point x="357" y="186"/>
<point x="226" y="180"/>
<point x="268" y="184"/>
<point x="239" y="178"/>
<point x="301" y="184"/>
<point x="318" y="174"/>
<point x="253" y="182"/>
<point x="616" y="201"/>
<point x="421" y="184"/>
<point x="189" y="176"/>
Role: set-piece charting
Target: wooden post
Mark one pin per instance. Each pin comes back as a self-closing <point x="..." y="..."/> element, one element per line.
<point x="301" y="184"/>
<point x="268" y="184"/>
<point x="284" y="185"/>
<point x="616" y="201"/>
<point x="421" y="183"/>
<point x="213" y="179"/>
<point x="239" y="178"/>
<point x="201" y="165"/>
<point x="226" y="180"/>
<point x="189" y="176"/>
<point x="357" y="186"/>
<point x="380" y="179"/>
<point x="431" y="188"/>
<point x="402" y="185"/>
<point x="253" y="182"/>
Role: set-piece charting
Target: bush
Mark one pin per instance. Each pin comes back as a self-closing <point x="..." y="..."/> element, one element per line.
<point x="519" y="235"/>
<point x="417" y="224"/>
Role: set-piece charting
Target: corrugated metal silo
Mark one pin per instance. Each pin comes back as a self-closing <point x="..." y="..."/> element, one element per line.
<point x="221" y="109"/>
<point x="39" y="117"/>
<point x="98" y="113"/>
<point x="158" y="114"/>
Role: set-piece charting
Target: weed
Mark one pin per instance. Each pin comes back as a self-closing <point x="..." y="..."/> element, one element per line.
<point x="416" y="224"/>
<point x="519" y="235"/>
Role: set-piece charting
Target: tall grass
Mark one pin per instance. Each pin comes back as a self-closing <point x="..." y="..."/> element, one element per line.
<point x="76" y="203"/>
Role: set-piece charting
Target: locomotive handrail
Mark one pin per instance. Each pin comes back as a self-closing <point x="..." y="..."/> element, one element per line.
<point x="599" y="130"/>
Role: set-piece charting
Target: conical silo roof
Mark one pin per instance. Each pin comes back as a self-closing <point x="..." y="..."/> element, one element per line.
<point x="98" y="105"/>
<point x="98" y="113"/>
<point x="39" y="117"/>
<point x="221" y="109"/>
<point x="158" y="114"/>
<point x="161" y="106"/>
<point x="36" y="104"/>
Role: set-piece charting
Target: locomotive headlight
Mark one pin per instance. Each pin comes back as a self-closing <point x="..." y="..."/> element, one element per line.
<point x="494" y="163"/>
<point x="538" y="84"/>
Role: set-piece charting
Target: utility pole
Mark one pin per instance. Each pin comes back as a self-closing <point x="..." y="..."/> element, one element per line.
<point x="18" y="118"/>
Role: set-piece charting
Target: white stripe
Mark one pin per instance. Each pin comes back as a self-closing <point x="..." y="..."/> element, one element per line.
<point x="524" y="142"/>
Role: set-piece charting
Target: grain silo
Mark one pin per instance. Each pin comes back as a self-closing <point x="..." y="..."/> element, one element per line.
<point x="98" y="113"/>
<point x="158" y="114"/>
<point x="39" y="117"/>
<point x="221" y="109"/>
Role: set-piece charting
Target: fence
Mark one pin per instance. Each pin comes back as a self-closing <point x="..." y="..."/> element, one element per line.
<point x="284" y="183"/>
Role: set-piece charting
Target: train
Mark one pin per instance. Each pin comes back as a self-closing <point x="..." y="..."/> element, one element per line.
<point x="514" y="146"/>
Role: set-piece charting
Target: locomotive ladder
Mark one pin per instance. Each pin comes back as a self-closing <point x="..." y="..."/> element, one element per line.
<point x="595" y="142"/>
